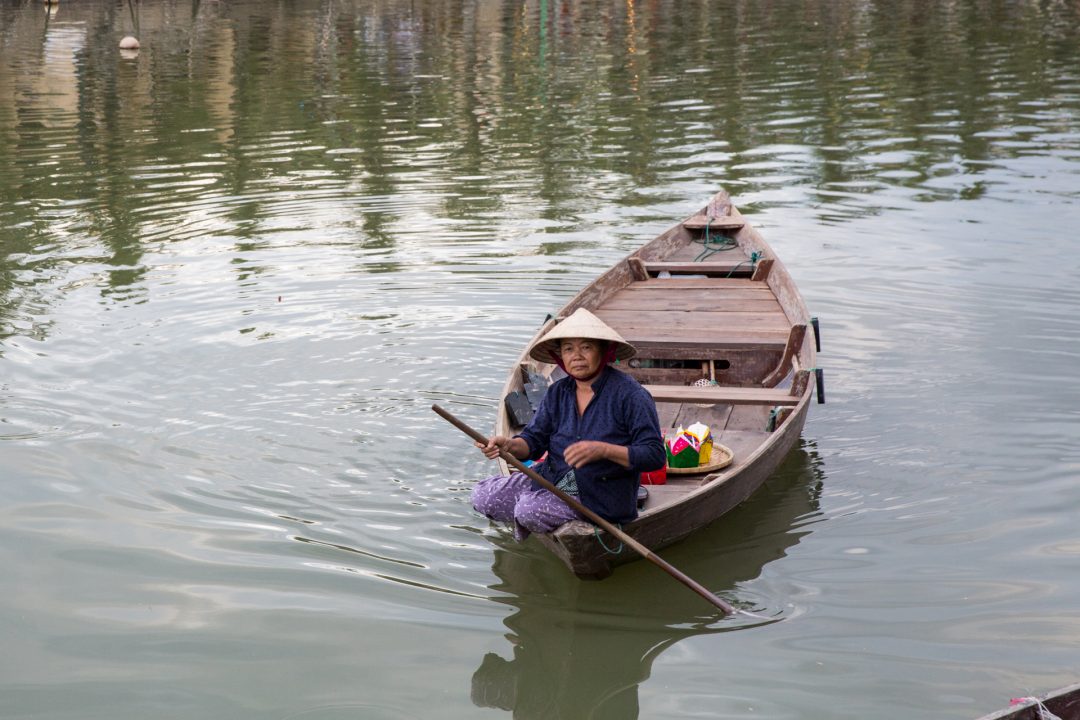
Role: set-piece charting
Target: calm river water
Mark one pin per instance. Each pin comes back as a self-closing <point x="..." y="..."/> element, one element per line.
<point x="237" y="268"/>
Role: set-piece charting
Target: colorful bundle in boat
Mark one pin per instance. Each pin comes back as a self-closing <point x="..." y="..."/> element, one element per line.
<point x="690" y="447"/>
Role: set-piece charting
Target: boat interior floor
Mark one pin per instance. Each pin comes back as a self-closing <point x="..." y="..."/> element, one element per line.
<point x="740" y="428"/>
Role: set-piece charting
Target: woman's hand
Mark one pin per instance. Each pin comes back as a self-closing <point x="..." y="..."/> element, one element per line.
<point x="514" y="446"/>
<point x="494" y="444"/>
<point x="587" y="451"/>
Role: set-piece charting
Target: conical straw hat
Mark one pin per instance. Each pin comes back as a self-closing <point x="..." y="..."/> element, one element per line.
<point x="581" y="324"/>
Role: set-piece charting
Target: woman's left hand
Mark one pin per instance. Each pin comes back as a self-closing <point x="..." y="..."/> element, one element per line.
<point x="587" y="451"/>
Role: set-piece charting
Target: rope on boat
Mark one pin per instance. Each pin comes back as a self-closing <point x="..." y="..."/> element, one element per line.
<point x="754" y="257"/>
<point x="1044" y="712"/>
<point x="713" y="245"/>
<point x="609" y="551"/>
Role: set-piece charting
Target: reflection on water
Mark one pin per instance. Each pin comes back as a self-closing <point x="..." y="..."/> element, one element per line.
<point x="367" y="125"/>
<point x="581" y="649"/>
<point x="237" y="267"/>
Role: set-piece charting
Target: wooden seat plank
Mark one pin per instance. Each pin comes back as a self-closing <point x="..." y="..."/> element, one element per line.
<point x="719" y="337"/>
<point x="700" y="222"/>
<point x="724" y="288"/>
<point x="718" y="394"/>
<point x="691" y="302"/>
<point x="678" y="283"/>
<point x="655" y="347"/>
<point x="713" y="267"/>
<point x="646" y="290"/>
<point x="705" y="320"/>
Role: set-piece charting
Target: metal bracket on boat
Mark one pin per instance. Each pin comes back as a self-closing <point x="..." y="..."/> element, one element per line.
<point x="819" y="374"/>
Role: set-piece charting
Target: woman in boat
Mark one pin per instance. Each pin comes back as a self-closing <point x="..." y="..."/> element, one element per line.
<point x="598" y="426"/>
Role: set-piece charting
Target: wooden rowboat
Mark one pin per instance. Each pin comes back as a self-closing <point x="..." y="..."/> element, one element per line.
<point x="707" y="300"/>
<point x="1063" y="703"/>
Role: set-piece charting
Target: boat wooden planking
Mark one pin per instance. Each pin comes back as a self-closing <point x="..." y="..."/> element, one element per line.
<point x="733" y="317"/>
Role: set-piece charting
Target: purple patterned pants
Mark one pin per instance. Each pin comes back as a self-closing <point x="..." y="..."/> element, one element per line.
<point x="511" y="499"/>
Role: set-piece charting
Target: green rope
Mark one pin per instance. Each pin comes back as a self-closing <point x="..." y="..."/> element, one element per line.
<point x="712" y="245"/>
<point x="609" y="551"/>
<point x="754" y="257"/>
<point x="720" y="243"/>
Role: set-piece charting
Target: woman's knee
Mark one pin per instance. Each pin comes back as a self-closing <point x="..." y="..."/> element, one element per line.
<point x="541" y="512"/>
<point x="496" y="497"/>
<point x="484" y="495"/>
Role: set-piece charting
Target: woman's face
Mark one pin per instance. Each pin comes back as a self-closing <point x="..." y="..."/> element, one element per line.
<point x="581" y="356"/>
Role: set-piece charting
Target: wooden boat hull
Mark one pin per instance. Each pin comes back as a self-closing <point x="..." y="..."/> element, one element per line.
<point x="1064" y="703"/>
<point x="578" y="546"/>
<point x="735" y="318"/>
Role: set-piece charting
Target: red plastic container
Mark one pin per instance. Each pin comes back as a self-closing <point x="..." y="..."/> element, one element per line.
<point x="656" y="477"/>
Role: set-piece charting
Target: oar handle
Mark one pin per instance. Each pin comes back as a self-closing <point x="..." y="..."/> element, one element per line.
<point x="573" y="502"/>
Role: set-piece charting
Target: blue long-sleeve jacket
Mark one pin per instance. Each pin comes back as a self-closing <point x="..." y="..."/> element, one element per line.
<point x="621" y="412"/>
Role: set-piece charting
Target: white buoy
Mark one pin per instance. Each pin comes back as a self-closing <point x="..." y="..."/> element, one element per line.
<point x="129" y="43"/>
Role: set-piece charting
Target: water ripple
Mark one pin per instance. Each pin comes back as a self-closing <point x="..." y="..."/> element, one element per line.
<point x="237" y="269"/>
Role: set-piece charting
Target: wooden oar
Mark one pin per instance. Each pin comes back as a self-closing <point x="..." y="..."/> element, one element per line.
<point x="596" y="519"/>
